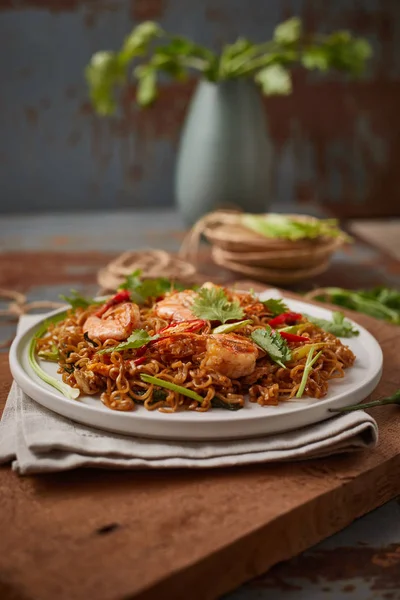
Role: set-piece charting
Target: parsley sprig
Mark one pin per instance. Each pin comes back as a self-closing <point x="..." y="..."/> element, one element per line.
<point x="212" y="304"/>
<point x="273" y="343"/>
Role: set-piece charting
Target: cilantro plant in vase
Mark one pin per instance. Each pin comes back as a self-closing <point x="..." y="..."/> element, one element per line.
<point x="225" y="152"/>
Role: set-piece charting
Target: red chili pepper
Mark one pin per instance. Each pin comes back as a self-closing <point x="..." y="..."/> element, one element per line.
<point x="139" y="361"/>
<point x="183" y="327"/>
<point x="121" y="296"/>
<point x="290" y="318"/>
<point x="292" y="337"/>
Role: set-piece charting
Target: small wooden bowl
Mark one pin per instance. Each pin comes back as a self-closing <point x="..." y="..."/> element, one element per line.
<point x="269" y="275"/>
<point x="309" y="256"/>
<point x="273" y="260"/>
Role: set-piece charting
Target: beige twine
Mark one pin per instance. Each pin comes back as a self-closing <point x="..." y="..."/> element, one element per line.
<point x="191" y="244"/>
<point x="152" y="264"/>
<point x="19" y="306"/>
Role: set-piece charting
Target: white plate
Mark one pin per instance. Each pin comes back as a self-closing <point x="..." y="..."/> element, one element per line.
<point x="251" y="421"/>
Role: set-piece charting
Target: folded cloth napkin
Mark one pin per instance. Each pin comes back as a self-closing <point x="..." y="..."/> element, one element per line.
<point x="36" y="440"/>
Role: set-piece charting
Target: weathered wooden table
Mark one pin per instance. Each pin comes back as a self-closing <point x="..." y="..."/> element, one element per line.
<point x="47" y="255"/>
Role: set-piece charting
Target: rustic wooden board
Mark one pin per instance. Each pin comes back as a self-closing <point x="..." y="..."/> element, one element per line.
<point x="185" y="534"/>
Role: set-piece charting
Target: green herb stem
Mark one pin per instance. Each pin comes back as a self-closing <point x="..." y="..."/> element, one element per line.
<point x="235" y="65"/>
<point x="229" y="327"/>
<point x="62" y="387"/>
<point x="155" y="51"/>
<point x="307" y="368"/>
<point x="179" y="389"/>
<point x="395" y="399"/>
<point x="50" y="355"/>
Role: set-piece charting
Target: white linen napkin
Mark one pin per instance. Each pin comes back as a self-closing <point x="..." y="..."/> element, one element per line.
<point x="36" y="440"/>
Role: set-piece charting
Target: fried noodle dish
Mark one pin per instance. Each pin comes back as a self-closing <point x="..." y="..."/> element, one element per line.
<point x="204" y="349"/>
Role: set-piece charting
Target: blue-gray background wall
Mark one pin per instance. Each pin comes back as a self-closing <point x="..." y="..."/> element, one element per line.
<point x="335" y="142"/>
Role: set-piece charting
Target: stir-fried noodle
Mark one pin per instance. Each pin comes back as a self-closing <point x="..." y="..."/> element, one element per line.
<point x="224" y="369"/>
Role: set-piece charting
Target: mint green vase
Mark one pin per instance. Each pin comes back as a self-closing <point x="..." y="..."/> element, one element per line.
<point x="224" y="153"/>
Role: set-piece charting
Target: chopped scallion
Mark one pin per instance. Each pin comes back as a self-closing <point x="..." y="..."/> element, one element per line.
<point x="179" y="389"/>
<point x="307" y="368"/>
<point x="229" y="327"/>
<point x="62" y="387"/>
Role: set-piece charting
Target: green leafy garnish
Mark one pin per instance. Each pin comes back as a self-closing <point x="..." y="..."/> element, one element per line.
<point x="78" y="301"/>
<point x="212" y="304"/>
<point x="275" y="306"/>
<point x="380" y="302"/>
<point x="291" y="228"/>
<point x="62" y="387"/>
<point x="142" y="289"/>
<point x="273" y="343"/>
<point x="52" y="355"/>
<point x="149" y="52"/>
<point x="307" y="368"/>
<point x="217" y="402"/>
<point x="179" y="389"/>
<point x="137" y="339"/>
<point x="339" y="325"/>
<point x="228" y="327"/>
<point x="395" y="399"/>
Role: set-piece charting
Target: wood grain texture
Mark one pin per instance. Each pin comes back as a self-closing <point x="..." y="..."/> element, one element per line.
<point x="180" y="534"/>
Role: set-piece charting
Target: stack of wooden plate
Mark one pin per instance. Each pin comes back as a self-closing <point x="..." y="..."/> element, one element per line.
<point x="272" y="260"/>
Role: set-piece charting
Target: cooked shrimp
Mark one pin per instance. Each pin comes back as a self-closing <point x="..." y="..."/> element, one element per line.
<point x="117" y="323"/>
<point x="179" y="345"/>
<point x="231" y="355"/>
<point x="176" y="306"/>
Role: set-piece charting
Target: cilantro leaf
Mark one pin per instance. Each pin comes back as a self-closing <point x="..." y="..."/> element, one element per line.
<point x="339" y="325"/>
<point x="78" y="301"/>
<point x="273" y="343"/>
<point x="141" y="289"/>
<point x="275" y="306"/>
<point x="137" y="339"/>
<point x="212" y="304"/>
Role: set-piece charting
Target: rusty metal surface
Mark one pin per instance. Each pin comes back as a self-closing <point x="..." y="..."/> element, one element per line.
<point x="335" y="142"/>
<point x="360" y="563"/>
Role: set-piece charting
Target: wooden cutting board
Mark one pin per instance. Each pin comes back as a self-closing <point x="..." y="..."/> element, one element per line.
<point x="186" y="534"/>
